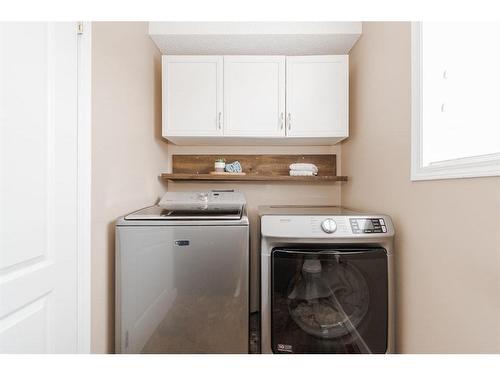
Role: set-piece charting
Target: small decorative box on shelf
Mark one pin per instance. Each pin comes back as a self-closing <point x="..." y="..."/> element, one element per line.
<point x="255" y="168"/>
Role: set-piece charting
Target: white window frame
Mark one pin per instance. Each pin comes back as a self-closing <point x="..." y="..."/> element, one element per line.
<point x="476" y="166"/>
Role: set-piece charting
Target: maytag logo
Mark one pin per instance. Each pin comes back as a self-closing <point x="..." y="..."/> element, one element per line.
<point x="285" y="348"/>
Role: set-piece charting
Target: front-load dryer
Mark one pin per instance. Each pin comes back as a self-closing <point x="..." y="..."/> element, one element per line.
<point x="326" y="281"/>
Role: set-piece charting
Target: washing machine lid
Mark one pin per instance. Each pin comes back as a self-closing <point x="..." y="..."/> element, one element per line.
<point x="189" y="213"/>
<point x="212" y="205"/>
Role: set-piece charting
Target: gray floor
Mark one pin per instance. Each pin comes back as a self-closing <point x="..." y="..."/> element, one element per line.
<point x="254" y="344"/>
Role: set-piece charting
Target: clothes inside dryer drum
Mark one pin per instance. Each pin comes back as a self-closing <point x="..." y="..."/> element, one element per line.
<point x="329" y="299"/>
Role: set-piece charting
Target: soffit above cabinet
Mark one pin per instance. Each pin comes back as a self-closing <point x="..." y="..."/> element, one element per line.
<point x="255" y="38"/>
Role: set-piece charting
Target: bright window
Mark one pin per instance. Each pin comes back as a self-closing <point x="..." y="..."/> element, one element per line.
<point x="456" y="100"/>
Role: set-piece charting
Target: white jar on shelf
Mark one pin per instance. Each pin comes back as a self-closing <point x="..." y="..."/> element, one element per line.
<point x="220" y="165"/>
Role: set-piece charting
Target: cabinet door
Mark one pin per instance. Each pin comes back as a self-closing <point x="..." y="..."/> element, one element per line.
<point x="192" y="95"/>
<point x="317" y="92"/>
<point x="254" y="96"/>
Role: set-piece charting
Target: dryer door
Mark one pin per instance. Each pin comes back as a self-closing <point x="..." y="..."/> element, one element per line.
<point x="329" y="301"/>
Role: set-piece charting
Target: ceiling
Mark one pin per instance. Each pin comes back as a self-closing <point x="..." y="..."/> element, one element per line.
<point x="255" y="38"/>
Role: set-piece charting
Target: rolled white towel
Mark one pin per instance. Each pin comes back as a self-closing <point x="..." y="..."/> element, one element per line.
<point x="303" y="167"/>
<point x="302" y="173"/>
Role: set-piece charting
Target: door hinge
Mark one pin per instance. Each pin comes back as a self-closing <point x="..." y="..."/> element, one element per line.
<point x="79" y="28"/>
<point x="126" y="339"/>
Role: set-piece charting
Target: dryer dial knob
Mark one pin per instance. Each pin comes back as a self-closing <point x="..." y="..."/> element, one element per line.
<point x="329" y="226"/>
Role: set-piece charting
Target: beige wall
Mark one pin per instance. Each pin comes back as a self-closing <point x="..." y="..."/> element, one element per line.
<point x="127" y="150"/>
<point x="258" y="194"/>
<point x="447" y="245"/>
<point x="448" y="241"/>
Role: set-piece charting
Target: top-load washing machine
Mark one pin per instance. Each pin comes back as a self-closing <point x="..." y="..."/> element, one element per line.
<point x="326" y="281"/>
<point x="182" y="275"/>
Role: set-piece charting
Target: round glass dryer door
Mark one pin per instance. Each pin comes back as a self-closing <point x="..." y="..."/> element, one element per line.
<point x="329" y="301"/>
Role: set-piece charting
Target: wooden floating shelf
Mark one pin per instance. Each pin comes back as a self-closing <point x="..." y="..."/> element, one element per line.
<point x="265" y="168"/>
<point x="213" y="177"/>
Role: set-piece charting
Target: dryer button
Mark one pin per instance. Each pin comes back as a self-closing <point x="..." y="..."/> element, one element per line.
<point x="329" y="226"/>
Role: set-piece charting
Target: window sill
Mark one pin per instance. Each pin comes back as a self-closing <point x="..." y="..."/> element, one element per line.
<point x="477" y="166"/>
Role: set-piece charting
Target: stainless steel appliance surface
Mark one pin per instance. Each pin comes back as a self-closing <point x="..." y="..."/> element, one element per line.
<point x="327" y="280"/>
<point x="182" y="275"/>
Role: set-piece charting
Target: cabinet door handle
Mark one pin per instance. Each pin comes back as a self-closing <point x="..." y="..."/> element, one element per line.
<point x="282" y="120"/>
<point x="289" y="121"/>
<point x="219" y="120"/>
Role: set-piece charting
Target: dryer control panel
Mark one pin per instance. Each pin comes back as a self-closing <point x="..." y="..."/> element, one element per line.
<point x="368" y="225"/>
<point x="323" y="226"/>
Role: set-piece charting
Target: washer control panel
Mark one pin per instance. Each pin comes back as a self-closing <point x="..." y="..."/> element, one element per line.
<point x="329" y="225"/>
<point x="368" y="225"/>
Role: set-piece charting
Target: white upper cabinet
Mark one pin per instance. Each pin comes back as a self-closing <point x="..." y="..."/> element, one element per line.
<point x="254" y="96"/>
<point x="317" y="93"/>
<point x="192" y="95"/>
<point x="241" y="100"/>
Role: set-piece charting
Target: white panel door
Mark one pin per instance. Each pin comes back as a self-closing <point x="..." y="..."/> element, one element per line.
<point x="317" y="94"/>
<point x="192" y="95"/>
<point x="38" y="188"/>
<point x="254" y="96"/>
